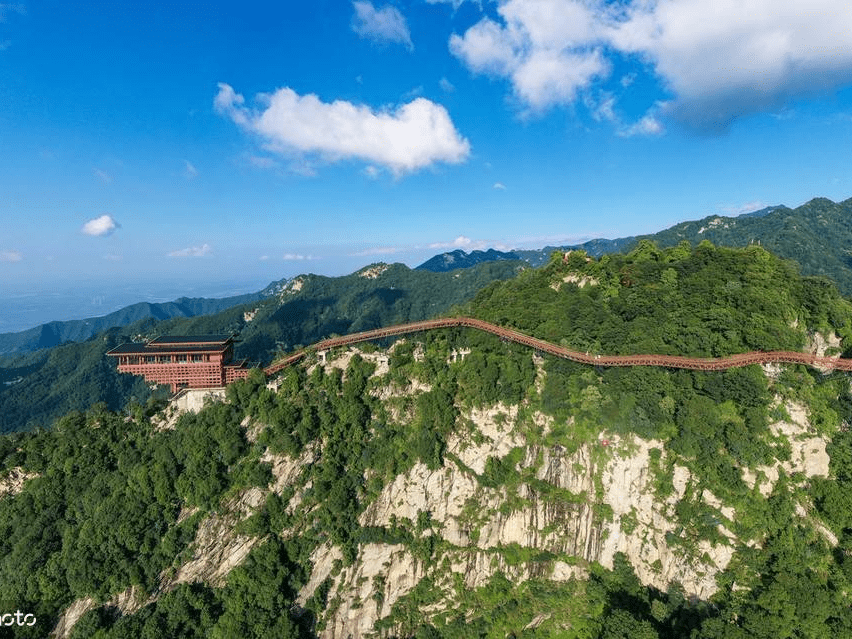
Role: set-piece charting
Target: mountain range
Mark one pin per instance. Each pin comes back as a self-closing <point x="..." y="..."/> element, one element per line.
<point x="451" y="485"/>
<point x="42" y="380"/>
<point x="817" y="235"/>
<point x="59" y="332"/>
<point x="37" y="387"/>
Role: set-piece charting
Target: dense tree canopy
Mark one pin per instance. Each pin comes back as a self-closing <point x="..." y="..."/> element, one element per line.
<point x="102" y="511"/>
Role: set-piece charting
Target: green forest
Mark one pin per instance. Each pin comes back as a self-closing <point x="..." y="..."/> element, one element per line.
<point x="36" y="388"/>
<point x="102" y="511"/>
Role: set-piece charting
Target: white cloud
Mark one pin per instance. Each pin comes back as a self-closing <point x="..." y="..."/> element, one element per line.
<point x="192" y="251"/>
<point x="11" y="256"/>
<point x="413" y="93"/>
<point x="499" y="186"/>
<point x="372" y="172"/>
<point x="456" y="3"/>
<point x="100" y="226"/>
<point x="263" y="258"/>
<point x="411" y="137"/>
<point x="189" y="170"/>
<point x="385" y="25"/>
<point x="379" y="250"/>
<point x="297" y="256"/>
<point x="547" y="48"/>
<point x="231" y="103"/>
<point x="262" y="162"/>
<point x="460" y="242"/>
<point x="733" y="57"/>
<point x="647" y="125"/>
<point x="466" y="243"/>
<point x="446" y="85"/>
<point x="719" y="60"/>
<point x="602" y="110"/>
<point x="103" y="176"/>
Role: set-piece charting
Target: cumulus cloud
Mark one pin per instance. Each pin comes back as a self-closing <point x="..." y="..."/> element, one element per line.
<point x="100" y="226"/>
<point x="499" y="186"/>
<point x="549" y="50"/>
<point x="385" y="25"/>
<point x="11" y="256"/>
<point x="719" y="60"/>
<point x="192" y="251"/>
<point x="411" y="137"/>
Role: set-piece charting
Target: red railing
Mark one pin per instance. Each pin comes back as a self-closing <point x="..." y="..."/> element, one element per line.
<point x="667" y="361"/>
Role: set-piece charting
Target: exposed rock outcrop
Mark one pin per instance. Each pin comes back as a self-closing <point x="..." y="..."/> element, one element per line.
<point x="12" y="482"/>
<point x="573" y="506"/>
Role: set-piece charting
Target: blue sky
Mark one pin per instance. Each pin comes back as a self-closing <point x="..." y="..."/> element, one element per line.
<point x="252" y="141"/>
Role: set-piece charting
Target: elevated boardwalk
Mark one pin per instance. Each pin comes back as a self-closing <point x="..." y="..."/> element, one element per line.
<point x="666" y="361"/>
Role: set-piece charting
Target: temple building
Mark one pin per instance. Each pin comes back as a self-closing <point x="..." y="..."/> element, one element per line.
<point x="198" y="361"/>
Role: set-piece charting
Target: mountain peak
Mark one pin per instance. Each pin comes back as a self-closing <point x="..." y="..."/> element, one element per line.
<point x="460" y="259"/>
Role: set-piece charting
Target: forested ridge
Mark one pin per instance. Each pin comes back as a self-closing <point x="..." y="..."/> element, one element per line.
<point x="48" y="383"/>
<point x="816" y="234"/>
<point x="39" y="387"/>
<point x="114" y="500"/>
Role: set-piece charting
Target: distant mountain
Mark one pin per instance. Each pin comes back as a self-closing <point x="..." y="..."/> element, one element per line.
<point x="602" y="246"/>
<point x="817" y="235"/>
<point x="460" y="259"/>
<point x="764" y="211"/>
<point x="37" y="387"/>
<point x="55" y="333"/>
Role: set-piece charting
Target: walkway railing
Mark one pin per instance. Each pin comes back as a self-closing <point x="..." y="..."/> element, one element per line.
<point x="667" y="361"/>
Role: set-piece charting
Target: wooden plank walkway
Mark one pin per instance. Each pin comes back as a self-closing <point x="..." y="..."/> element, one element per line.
<point x="667" y="361"/>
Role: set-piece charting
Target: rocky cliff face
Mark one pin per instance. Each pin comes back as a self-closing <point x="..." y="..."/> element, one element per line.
<point x="567" y="509"/>
<point x="554" y="506"/>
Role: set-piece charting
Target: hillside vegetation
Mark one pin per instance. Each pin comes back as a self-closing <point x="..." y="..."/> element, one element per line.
<point x="456" y="486"/>
<point x="817" y="235"/>
<point x="39" y="387"/>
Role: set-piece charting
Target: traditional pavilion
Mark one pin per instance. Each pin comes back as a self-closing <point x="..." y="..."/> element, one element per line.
<point x="197" y="361"/>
